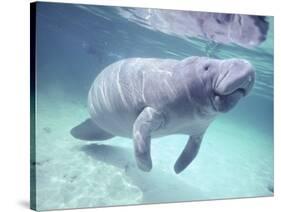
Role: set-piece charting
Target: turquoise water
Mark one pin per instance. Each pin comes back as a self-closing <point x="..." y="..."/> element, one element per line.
<point x="74" y="43"/>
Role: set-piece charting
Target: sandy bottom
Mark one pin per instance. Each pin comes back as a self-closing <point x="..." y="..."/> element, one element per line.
<point x="234" y="161"/>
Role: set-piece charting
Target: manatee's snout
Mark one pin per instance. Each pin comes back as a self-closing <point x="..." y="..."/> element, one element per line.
<point x="235" y="75"/>
<point x="235" y="80"/>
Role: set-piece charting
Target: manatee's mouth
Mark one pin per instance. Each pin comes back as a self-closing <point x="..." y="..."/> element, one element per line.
<point x="224" y="102"/>
<point x="241" y="91"/>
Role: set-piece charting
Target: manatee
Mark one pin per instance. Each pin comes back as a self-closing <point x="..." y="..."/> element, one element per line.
<point x="244" y="30"/>
<point x="144" y="98"/>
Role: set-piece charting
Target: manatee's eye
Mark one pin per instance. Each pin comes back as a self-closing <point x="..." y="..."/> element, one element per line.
<point x="206" y="67"/>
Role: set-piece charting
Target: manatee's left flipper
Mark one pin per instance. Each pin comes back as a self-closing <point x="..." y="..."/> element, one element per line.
<point x="149" y="120"/>
<point x="189" y="153"/>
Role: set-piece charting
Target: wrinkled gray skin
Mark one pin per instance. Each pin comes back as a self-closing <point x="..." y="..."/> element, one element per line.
<point x="145" y="98"/>
<point x="244" y="30"/>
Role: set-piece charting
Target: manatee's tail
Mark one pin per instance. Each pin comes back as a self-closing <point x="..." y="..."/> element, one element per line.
<point x="89" y="131"/>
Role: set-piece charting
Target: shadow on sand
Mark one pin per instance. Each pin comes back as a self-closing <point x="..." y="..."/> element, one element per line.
<point x="157" y="185"/>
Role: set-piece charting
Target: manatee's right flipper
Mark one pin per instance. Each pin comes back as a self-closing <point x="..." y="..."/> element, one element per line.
<point x="149" y="120"/>
<point x="189" y="153"/>
<point x="89" y="131"/>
